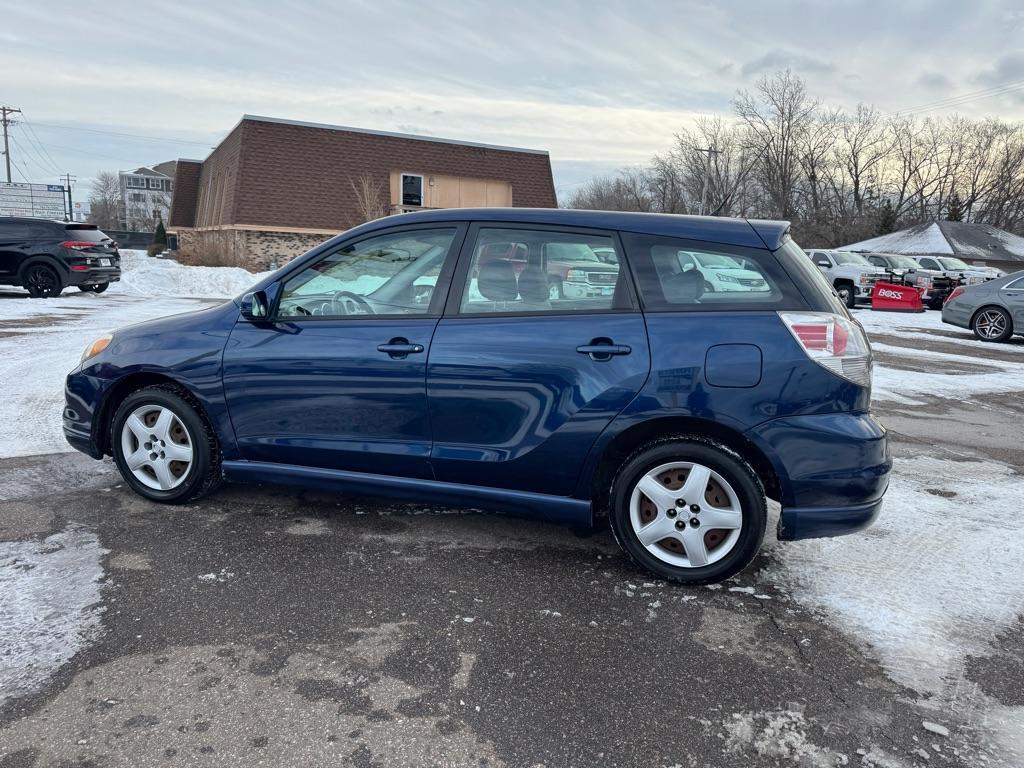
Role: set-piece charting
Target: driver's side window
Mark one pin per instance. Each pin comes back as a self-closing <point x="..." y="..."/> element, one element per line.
<point x="391" y="274"/>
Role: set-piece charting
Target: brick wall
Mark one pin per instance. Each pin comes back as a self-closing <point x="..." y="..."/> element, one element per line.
<point x="185" y="194"/>
<point x="273" y="174"/>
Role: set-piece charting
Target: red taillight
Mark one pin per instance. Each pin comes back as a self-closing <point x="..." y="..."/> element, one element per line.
<point x="79" y="268"/>
<point x="956" y="292"/>
<point x="77" y="245"/>
<point x="834" y="342"/>
<point x="827" y="337"/>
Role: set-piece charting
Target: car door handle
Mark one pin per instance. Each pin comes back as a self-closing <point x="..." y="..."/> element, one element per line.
<point x="603" y="351"/>
<point x="400" y="348"/>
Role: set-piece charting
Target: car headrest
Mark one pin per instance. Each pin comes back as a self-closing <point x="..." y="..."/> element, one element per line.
<point x="533" y="284"/>
<point x="497" y="281"/>
<point x="684" y="287"/>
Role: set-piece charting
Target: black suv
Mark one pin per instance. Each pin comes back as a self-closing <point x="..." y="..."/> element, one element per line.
<point x="47" y="256"/>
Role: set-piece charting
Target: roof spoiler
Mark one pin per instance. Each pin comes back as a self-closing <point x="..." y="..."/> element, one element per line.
<point x="772" y="233"/>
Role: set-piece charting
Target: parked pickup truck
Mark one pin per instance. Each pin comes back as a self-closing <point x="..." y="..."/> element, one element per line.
<point x="935" y="286"/>
<point x="852" y="275"/>
<point x="957" y="269"/>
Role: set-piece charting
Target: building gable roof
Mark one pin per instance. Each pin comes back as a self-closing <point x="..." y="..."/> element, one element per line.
<point x="965" y="240"/>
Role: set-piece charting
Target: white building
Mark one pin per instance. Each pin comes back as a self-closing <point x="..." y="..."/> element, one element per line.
<point x="146" y="196"/>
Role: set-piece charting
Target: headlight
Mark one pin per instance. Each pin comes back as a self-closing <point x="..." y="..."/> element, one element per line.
<point x="576" y="276"/>
<point x="726" y="278"/>
<point x="96" y="347"/>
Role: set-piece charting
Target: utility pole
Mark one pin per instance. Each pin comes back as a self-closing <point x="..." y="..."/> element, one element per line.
<point x="6" y="121"/>
<point x="69" y="179"/>
<point x="707" y="172"/>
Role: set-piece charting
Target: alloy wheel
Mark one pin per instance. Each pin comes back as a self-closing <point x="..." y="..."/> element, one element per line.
<point x="685" y="514"/>
<point x="42" y="281"/>
<point x="991" y="324"/>
<point x="157" y="447"/>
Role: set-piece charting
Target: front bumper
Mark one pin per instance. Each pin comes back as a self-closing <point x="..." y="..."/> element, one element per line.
<point x="833" y="470"/>
<point x="82" y="393"/>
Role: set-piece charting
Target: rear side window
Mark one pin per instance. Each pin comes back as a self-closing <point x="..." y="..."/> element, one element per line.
<point x="524" y="271"/>
<point x="683" y="275"/>
<point x="816" y="290"/>
<point x="10" y="230"/>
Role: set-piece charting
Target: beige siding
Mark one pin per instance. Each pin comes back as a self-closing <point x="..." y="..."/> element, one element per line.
<point x="456" y="191"/>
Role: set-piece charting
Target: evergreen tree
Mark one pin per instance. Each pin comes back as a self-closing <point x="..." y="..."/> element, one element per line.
<point x="954" y="207"/>
<point x="886" y="219"/>
<point x="160" y="235"/>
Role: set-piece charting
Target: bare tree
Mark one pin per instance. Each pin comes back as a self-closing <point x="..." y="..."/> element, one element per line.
<point x="371" y="201"/>
<point x="777" y="119"/>
<point x="105" y="201"/>
<point x="631" y="189"/>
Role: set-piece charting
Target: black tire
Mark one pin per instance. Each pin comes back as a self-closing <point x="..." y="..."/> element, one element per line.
<point x="847" y="294"/>
<point x="96" y="288"/>
<point x="204" y="474"/>
<point x="737" y="472"/>
<point x="989" y="315"/>
<point x="708" y="287"/>
<point x="42" y="281"/>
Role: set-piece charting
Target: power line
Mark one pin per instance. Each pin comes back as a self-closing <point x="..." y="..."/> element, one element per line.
<point x="123" y="135"/>
<point x="39" y="144"/>
<point x="34" y="158"/>
<point x="964" y="98"/>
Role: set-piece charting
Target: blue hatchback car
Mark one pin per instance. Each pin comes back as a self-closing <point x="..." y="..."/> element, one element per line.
<point x="669" y="373"/>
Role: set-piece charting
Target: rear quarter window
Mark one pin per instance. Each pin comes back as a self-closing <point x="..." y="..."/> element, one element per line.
<point x="677" y="275"/>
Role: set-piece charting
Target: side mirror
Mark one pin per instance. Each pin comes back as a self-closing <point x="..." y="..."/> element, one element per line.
<point x="254" y="307"/>
<point x="823" y="263"/>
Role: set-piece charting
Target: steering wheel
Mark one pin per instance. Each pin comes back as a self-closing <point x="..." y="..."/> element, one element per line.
<point x="350" y="304"/>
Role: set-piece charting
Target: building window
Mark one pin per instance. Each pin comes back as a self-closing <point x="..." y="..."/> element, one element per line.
<point x="138" y="197"/>
<point x="135" y="182"/>
<point x="412" y="189"/>
<point x="156" y="184"/>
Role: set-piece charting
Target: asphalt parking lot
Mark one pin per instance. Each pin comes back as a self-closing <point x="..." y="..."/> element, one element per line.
<point x="266" y="626"/>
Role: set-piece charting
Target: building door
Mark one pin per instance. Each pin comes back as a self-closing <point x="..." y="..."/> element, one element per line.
<point x="338" y="378"/>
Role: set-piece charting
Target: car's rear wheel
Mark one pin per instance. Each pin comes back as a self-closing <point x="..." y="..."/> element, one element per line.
<point x="42" y="282"/>
<point x="689" y="510"/>
<point x="992" y="324"/>
<point x="162" y="446"/>
<point x="94" y="288"/>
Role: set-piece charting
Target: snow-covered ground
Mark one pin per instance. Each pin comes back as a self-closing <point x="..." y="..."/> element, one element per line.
<point x="41" y="340"/>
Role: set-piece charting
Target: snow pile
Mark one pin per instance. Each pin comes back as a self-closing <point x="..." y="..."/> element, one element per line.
<point x="50" y="608"/>
<point x="142" y="275"/>
<point x="934" y="580"/>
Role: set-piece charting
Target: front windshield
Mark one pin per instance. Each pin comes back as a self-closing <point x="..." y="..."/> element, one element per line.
<point x="904" y="262"/>
<point x="953" y="263"/>
<point x="717" y="260"/>
<point x="846" y="257"/>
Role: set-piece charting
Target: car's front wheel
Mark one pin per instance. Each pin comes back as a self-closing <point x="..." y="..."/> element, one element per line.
<point x="992" y="324"/>
<point x="847" y="294"/>
<point x="689" y="510"/>
<point x="94" y="288"/>
<point x="162" y="446"/>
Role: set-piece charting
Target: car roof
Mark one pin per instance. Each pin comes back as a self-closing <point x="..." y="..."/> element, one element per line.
<point x="39" y="220"/>
<point x="753" y="233"/>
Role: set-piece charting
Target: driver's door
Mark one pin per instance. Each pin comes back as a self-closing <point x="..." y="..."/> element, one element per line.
<point x="337" y="379"/>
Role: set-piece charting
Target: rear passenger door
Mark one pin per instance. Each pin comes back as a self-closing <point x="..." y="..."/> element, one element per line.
<point x="541" y="345"/>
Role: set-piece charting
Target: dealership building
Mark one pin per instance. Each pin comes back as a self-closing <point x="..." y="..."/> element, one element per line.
<point x="274" y="188"/>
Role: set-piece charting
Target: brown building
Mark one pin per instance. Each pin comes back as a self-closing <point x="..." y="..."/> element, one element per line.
<point x="273" y="188"/>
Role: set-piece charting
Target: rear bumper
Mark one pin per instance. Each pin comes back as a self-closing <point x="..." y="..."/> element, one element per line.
<point x="94" y="276"/>
<point x="833" y="470"/>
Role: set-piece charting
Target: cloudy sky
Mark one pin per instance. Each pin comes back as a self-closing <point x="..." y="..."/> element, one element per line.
<point x="113" y="85"/>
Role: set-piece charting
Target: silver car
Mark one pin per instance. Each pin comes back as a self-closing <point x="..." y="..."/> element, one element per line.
<point x="993" y="310"/>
